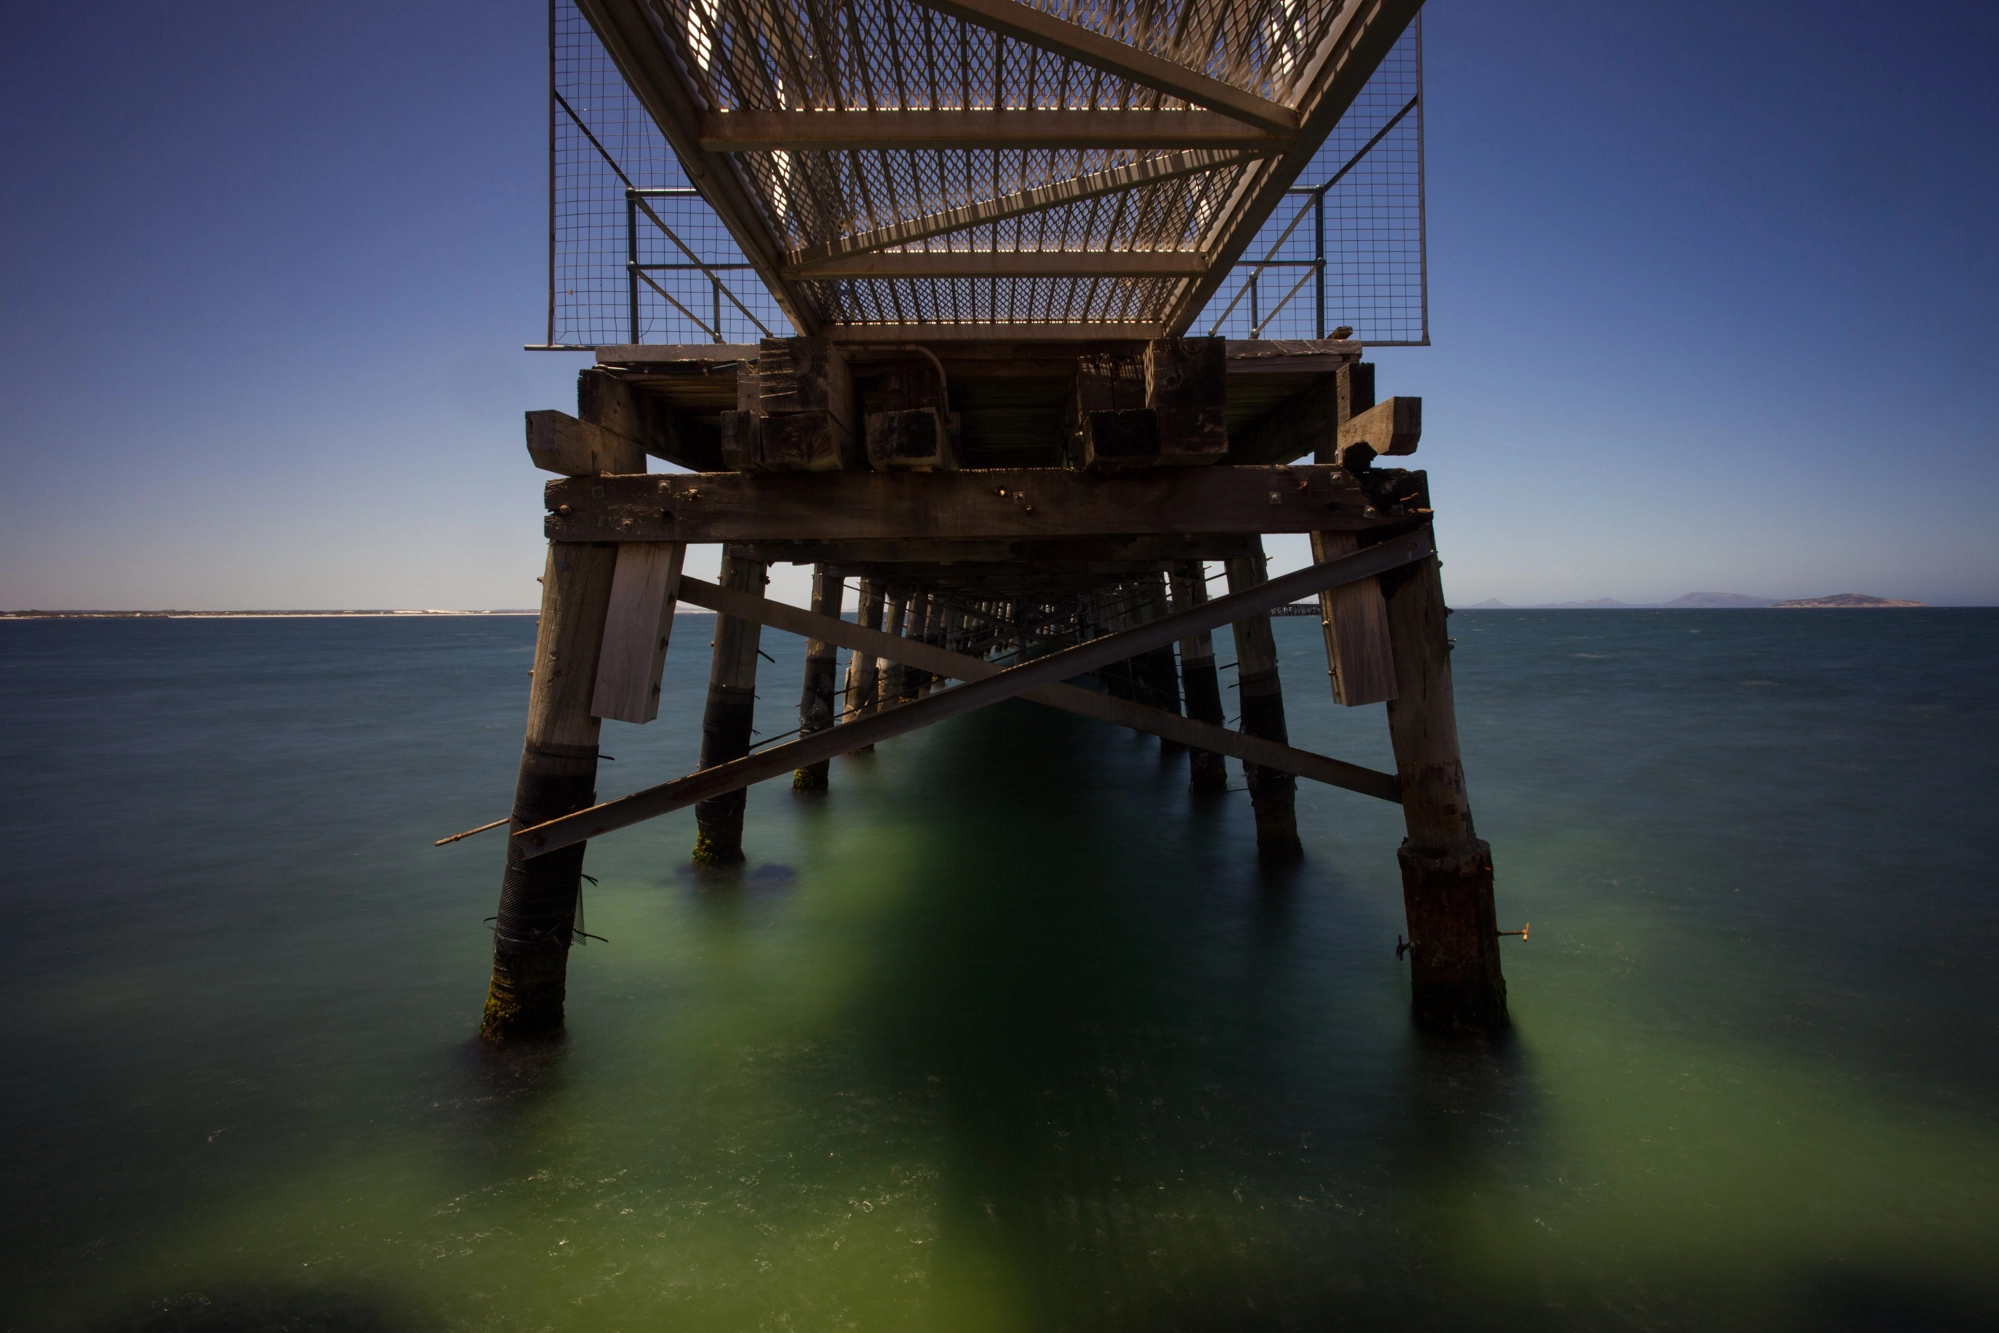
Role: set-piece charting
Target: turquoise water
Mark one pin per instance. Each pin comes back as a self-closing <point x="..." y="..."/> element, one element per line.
<point x="1004" y="1033"/>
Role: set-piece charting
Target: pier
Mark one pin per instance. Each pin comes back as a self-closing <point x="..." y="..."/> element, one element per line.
<point x="995" y="423"/>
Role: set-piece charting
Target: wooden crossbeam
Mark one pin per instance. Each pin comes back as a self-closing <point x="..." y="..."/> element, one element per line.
<point x="996" y="502"/>
<point x="1166" y="166"/>
<point x="1049" y="670"/>
<point x="1088" y="47"/>
<point x="1069" y="698"/>
<point x="1010" y="264"/>
<point x="843" y="131"/>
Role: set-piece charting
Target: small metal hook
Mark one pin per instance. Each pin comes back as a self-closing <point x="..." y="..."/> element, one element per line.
<point x="1522" y="932"/>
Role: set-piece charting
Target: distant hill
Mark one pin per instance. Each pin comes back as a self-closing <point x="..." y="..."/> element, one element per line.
<point x="1841" y="600"/>
<point x="1709" y="601"/>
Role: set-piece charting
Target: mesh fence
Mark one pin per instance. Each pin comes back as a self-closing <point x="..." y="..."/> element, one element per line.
<point x="636" y="256"/>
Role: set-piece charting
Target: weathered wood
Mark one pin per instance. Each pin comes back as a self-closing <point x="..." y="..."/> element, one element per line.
<point x="914" y="438"/>
<point x="813" y="440"/>
<point x="805" y="375"/>
<point x="728" y="720"/>
<point x="558" y="442"/>
<point x="1123" y="438"/>
<point x="822" y="131"/>
<point x="636" y="631"/>
<point x="1446" y="869"/>
<point x="1206" y="772"/>
<point x="1355" y="620"/>
<point x="1393" y="426"/>
<point x="1353" y="394"/>
<point x="815" y="701"/>
<point x="1002" y="503"/>
<point x="1260" y="698"/>
<point x="1145" y="548"/>
<point x="558" y="775"/>
<point x="1046" y="670"/>
<point x="1069" y="698"/>
<point x="1186" y="372"/>
<point x="656" y="426"/>
<point x="862" y="674"/>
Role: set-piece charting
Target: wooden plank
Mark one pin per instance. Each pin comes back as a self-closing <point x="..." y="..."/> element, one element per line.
<point x="1048" y="670"/>
<point x="1013" y="204"/>
<point x="655" y="425"/>
<point x="1355" y="620"/>
<point x="1392" y="426"/>
<point x="1088" y="47"/>
<point x="1010" y="264"/>
<point x="824" y="131"/>
<point x="558" y="442"/>
<point x="1005" y="503"/>
<point x="819" y="628"/>
<point x="1065" y="550"/>
<point x="636" y="631"/>
<point x="1299" y="427"/>
<point x="661" y="357"/>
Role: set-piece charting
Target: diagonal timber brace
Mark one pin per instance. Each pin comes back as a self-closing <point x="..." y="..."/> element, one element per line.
<point x="1050" y="670"/>
<point x="1069" y="698"/>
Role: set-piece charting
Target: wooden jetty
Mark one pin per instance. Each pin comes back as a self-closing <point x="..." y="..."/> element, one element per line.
<point x="1018" y="503"/>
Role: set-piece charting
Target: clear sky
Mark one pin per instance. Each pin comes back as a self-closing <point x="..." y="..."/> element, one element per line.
<point x="1712" y="290"/>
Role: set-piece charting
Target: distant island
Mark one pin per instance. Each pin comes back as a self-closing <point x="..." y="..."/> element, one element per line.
<point x="1701" y="601"/>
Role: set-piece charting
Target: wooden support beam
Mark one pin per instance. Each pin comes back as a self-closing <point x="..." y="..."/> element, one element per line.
<point x="1206" y="772"/>
<point x="1360" y="658"/>
<point x="1138" y="717"/>
<point x="1076" y="189"/>
<point x="863" y="675"/>
<point x="815" y="701"/>
<point x="1393" y="426"/>
<point x="558" y="442"/>
<point x="1446" y="868"/>
<point x="728" y="718"/>
<point x="558" y="775"/>
<point x="1260" y="697"/>
<point x="656" y="426"/>
<point x="1046" y="670"/>
<point x="827" y="131"/>
<point x="1146" y="549"/>
<point x="1186" y="384"/>
<point x="636" y="630"/>
<point x="1013" y="504"/>
<point x="1086" y="46"/>
<point x="901" y="265"/>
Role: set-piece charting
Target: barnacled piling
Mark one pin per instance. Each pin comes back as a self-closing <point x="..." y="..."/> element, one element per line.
<point x="864" y="669"/>
<point x="815" y="703"/>
<point x="558" y="775"/>
<point x="727" y="721"/>
<point x="1207" y="771"/>
<point x="1272" y="794"/>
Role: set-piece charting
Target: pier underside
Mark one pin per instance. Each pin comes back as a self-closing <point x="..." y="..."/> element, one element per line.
<point x="1061" y="524"/>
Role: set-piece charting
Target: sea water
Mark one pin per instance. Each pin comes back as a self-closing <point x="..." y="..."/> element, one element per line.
<point x="1005" y="1032"/>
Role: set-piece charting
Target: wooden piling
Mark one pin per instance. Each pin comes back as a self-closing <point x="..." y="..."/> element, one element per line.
<point x="1207" y="771"/>
<point x="731" y="712"/>
<point x="815" y="701"/>
<point x="864" y="669"/>
<point x="1272" y="794"/>
<point x="891" y="688"/>
<point x="1446" y="869"/>
<point x="1157" y="678"/>
<point x="558" y="775"/>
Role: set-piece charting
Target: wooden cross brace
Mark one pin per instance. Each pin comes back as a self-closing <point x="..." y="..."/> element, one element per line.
<point x="1004" y="683"/>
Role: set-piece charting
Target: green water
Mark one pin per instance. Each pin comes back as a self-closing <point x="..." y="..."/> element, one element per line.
<point x="1005" y="1033"/>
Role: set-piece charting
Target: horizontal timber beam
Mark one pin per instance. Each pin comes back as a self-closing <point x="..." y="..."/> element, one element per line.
<point x="1066" y="550"/>
<point x="1011" y="264"/>
<point x="998" y="502"/>
<point x="1069" y="698"/>
<point x="844" y="131"/>
<point x="1088" y="47"/>
<point x="1049" y="670"/>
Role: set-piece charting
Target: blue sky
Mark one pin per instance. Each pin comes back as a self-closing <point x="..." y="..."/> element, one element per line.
<point x="1712" y="293"/>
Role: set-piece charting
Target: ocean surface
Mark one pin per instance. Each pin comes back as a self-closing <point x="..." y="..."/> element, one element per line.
<point x="1005" y="1032"/>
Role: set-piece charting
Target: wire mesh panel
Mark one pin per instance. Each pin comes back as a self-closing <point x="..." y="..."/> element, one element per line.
<point x="1346" y="248"/>
<point x="637" y="256"/>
